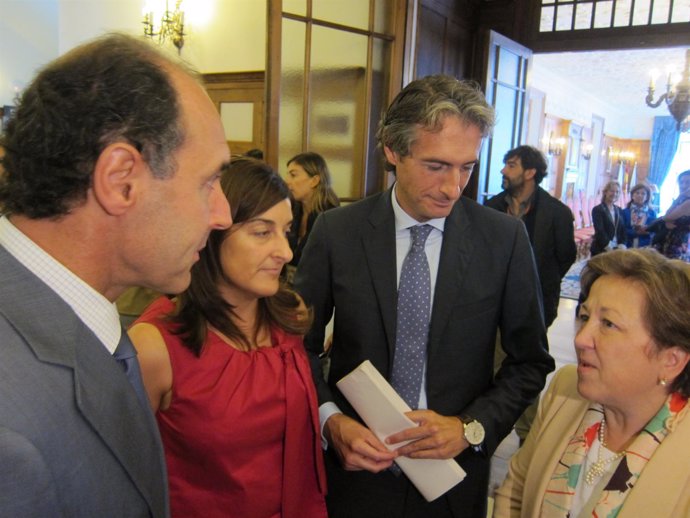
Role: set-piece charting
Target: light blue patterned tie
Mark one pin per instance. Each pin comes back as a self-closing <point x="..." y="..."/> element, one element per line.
<point x="414" y="310"/>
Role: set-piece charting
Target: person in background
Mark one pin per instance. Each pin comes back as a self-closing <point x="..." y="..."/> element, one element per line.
<point x="607" y="219"/>
<point x="549" y="225"/>
<point x="226" y="371"/>
<point x="420" y="279"/>
<point x="612" y="435"/>
<point x="111" y="168"/>
<point x="672" y="239"/>
<point x="309" y="181"/>
<point x="637" y="215"/>
<point x="549" y="222"/>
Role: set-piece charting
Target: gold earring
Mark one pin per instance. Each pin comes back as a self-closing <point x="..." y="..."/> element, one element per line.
<point x="663" y="382"/>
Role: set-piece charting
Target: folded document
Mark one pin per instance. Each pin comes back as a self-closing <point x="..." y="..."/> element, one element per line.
<point x="383" y="411"/>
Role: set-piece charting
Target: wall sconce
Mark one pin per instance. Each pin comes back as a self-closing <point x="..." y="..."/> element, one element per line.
<point x="587" y="153"/>
<point x="677" y="95"/>
<point x="556" y="145"/>
<point x="171" y="26"/>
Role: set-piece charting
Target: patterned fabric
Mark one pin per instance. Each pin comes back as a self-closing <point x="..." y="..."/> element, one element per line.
<point x="414" y="310"/>
<point x="567" y="475"/>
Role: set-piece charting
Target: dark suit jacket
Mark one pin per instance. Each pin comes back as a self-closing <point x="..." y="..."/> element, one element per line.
<point x="486" y="281"/>
<point x="553" y="243"/>
<point x="75" y="442"/>
<point x="605" y="228"/>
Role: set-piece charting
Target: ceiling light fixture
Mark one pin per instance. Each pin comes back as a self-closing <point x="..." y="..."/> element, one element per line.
<point x="171" y="26"/>
<point x="677" y="95"/>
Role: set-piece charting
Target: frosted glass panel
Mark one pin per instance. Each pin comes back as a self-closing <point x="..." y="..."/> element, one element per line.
<point x="509" y="67"/>
<point x="681" y="11"/>
<point x="546" y="23"/>
<point x="602" y="16"/>
<point x="337" y="121"/>
<point x="238" y="121"/>
<point x="291" y="128"/>
<point x="583" y="16"/>
<point x="564" y="17"/>
<point x="641" y="13"/>
<point x="380" y="83"/>
<point x="622" y="17"/>
<point x="354" y="13"/>
<point x="295" y="7"/>
<point x="660" y="12"/>
<point x="384" y="18"/>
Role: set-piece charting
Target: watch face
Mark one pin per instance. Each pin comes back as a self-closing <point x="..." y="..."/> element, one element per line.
<point x="474" y="433"/>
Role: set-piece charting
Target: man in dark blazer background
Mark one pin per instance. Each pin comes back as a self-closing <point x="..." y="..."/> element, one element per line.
<point x="483" y="279"/>
<point x="548" y="221"/>
<point x="110" y="179"/>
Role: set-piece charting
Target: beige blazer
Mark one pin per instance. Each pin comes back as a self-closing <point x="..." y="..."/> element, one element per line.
<point x="662" y="491"/>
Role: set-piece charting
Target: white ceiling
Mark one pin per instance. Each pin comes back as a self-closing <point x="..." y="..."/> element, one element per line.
<point x="618" y="77"/>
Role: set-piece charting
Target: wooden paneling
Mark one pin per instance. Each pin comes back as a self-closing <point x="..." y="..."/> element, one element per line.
<point x="240" y="87"/>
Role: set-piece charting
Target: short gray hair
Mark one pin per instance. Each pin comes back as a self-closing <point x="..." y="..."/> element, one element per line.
<point x="425" y="103"/>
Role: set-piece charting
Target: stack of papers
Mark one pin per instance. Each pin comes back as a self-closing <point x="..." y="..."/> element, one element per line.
<point x="383" y="411"/>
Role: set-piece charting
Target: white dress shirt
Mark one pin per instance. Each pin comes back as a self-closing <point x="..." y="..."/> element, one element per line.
<point x="403" y="242"/>
<point x="98" y="313"/>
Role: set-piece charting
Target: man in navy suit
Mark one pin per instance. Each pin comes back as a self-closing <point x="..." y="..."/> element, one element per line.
<point x="110" y="179"/>
<point x="482" y="280"/>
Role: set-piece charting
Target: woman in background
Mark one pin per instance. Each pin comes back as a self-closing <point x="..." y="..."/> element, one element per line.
<point x="609" y="232"/>
<point x="637" y="215"/>
<point x="612" y="434"/>
<point x="309" y="181"/>
<point x="226" y="371"/>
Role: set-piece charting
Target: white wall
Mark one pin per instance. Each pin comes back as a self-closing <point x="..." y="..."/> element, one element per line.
<point x="567" y="102"/>
<point x="28" y="39"/>
<point x="223" y="35"/>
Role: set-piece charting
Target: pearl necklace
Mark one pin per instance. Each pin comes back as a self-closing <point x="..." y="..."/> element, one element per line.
<point x="599" y="467"/>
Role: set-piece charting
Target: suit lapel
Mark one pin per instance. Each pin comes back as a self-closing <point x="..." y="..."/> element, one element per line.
<point x="456" y="254"/>
<point x="103" y="394"/>
<point x="105" y="397"/>
<point x="378" y="242"/>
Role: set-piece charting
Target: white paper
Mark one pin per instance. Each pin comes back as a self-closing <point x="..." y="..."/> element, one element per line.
<point x="383" y="411"/>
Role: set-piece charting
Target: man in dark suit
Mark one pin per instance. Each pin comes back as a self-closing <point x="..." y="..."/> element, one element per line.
<point x="110" y="179"/>
<point x="549" y="222"/>
<point x="481" y="278"/>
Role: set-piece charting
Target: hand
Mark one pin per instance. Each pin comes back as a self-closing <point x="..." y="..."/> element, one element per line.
<point x="435" y="437"/>
<point x="356" y="445"/>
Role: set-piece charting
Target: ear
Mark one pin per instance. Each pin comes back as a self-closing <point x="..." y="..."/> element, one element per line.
<point x="314" y="181"/>
<point x="530" y="173"/>
<point x="115" y="177"/>
<point x="674" y="360"/>
<point x="391" y="156"/>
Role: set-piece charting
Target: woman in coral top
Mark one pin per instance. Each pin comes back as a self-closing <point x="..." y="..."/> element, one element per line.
<point x="226" y="371"/>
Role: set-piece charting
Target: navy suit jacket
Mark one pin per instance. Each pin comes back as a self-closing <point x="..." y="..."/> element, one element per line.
<point x="605" y="228"/>
<point x="486" y="282"/>
<point x="75" y="442"/>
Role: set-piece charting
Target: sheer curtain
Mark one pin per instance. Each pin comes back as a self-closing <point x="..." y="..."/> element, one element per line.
<point x="663" y="148"/>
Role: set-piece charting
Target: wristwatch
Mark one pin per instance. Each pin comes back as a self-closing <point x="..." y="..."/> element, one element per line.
<point x="473" y="431"/>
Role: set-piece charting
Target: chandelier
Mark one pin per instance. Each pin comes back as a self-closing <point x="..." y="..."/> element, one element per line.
<point x="677" y="95"/>
<point x="171" y="26"/>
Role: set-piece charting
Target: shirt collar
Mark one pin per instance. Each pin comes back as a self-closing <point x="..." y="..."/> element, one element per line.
<point x="93" y="309"/>
<point x="404" y="221"/>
